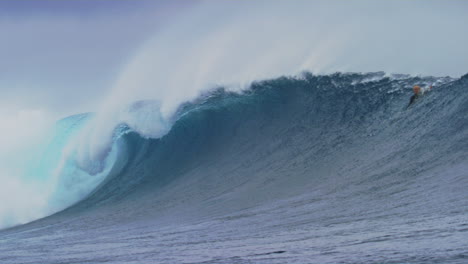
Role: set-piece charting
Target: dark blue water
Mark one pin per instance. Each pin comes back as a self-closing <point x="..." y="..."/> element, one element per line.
<point x="312" y="169"/>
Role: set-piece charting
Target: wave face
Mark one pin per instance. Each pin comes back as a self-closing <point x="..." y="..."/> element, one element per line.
<point x="317" y="168"/>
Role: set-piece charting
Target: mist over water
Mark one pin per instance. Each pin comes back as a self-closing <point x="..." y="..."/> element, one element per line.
<point x="19" y="149"/>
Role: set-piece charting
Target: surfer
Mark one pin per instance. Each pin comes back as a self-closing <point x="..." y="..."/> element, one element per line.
<point x="417" y="93"/>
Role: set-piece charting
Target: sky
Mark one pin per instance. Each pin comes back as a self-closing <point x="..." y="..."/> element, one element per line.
<point x="63" y="56"/>
<point x="66" y="57"/>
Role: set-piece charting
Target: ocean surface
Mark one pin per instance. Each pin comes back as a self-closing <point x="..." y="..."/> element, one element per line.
<point x="307" y="169"/>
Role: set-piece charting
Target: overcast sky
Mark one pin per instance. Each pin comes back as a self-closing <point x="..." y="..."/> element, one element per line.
<point x="66" y="56"/>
